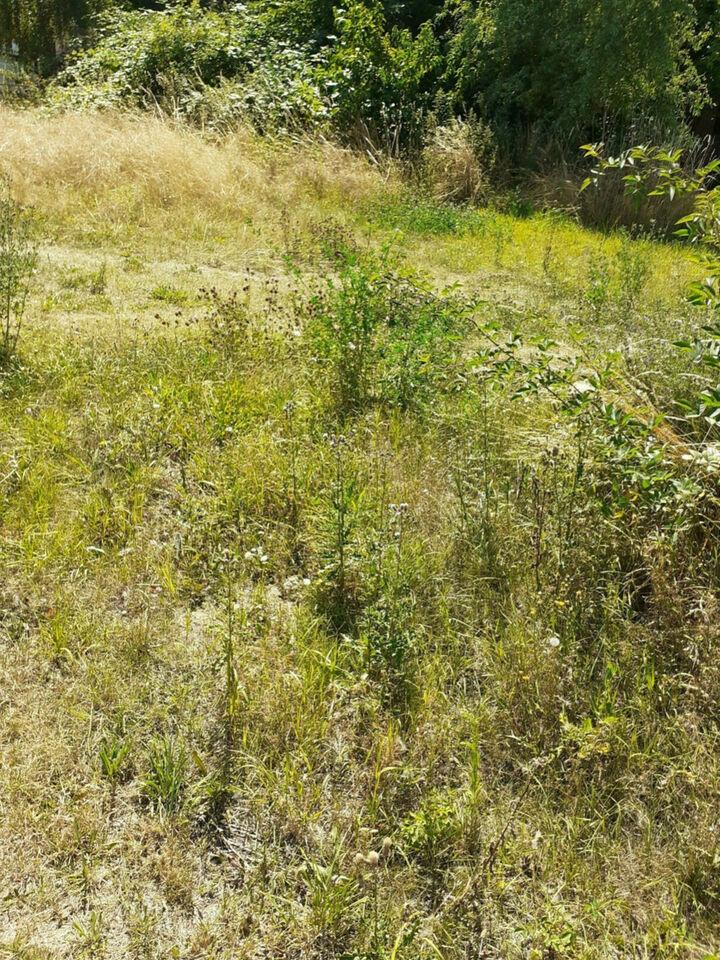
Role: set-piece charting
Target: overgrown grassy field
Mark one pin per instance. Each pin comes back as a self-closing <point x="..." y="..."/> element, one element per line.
<point x="355" y="600"/>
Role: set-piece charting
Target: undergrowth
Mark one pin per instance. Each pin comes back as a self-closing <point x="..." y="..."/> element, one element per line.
<point x="346" y="613"/>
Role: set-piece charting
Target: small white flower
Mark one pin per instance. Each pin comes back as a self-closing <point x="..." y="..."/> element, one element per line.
<point x="552" y="642"/>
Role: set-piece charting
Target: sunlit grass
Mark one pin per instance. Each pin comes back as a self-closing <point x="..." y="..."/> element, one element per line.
<point x="307" y="655"/>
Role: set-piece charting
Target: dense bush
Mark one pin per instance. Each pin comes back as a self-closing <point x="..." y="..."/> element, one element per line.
<point x="220" y="67"/>
<point x="375" y="80"/>
<point x="382" y="75"/>
<point x="574" y="63"/>
<point x="213" y="67"/>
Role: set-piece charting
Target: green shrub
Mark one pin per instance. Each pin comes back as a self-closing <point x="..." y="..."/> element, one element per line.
<point x="575" y="65"/>
<point x="545" y="74"/>
<point x="377" y="83"/>
<point x="142" y="55"/>
<point x="429" y="833"/>
<point x="213" y="67"/>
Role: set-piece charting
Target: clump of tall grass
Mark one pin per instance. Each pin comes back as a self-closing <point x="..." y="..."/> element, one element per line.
<point x="149" y="169"/>
<point x="458" y="161"/>
<point x="18" y="259"/>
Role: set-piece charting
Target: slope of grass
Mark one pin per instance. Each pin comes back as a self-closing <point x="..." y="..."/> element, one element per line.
<point x="333" y="621"/>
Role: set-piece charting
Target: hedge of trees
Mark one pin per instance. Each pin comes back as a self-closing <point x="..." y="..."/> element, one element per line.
<point x="551" y="68"/>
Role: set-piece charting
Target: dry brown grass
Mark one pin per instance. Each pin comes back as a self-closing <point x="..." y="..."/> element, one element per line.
<point x="93" y="170"/>
<point x="608" y="207"/>
<point x="458" y="160"/>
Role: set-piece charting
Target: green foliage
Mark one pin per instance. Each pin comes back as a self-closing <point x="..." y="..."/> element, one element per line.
<point x="377" y="82"/>
<point x="382" y="76"/>
<point x="705" y="51"/>
<point x="574" y="64"/>
<point x="41" y="29"/>
<point x="165" y="782"/>
<point x="429" y="833"/>
<point x="391" y="631"/>
<point x="420" y="216"/>
<point x="299" y="22"/>
<point x="648" y="171"/>
<point x="113" y="753"/>
<point x="382" y="334"/>
<point x="215" y="67"/>
<point x="141" y="54"/>
<point x="331" y="894"/>
<point x="632" y="473"/>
